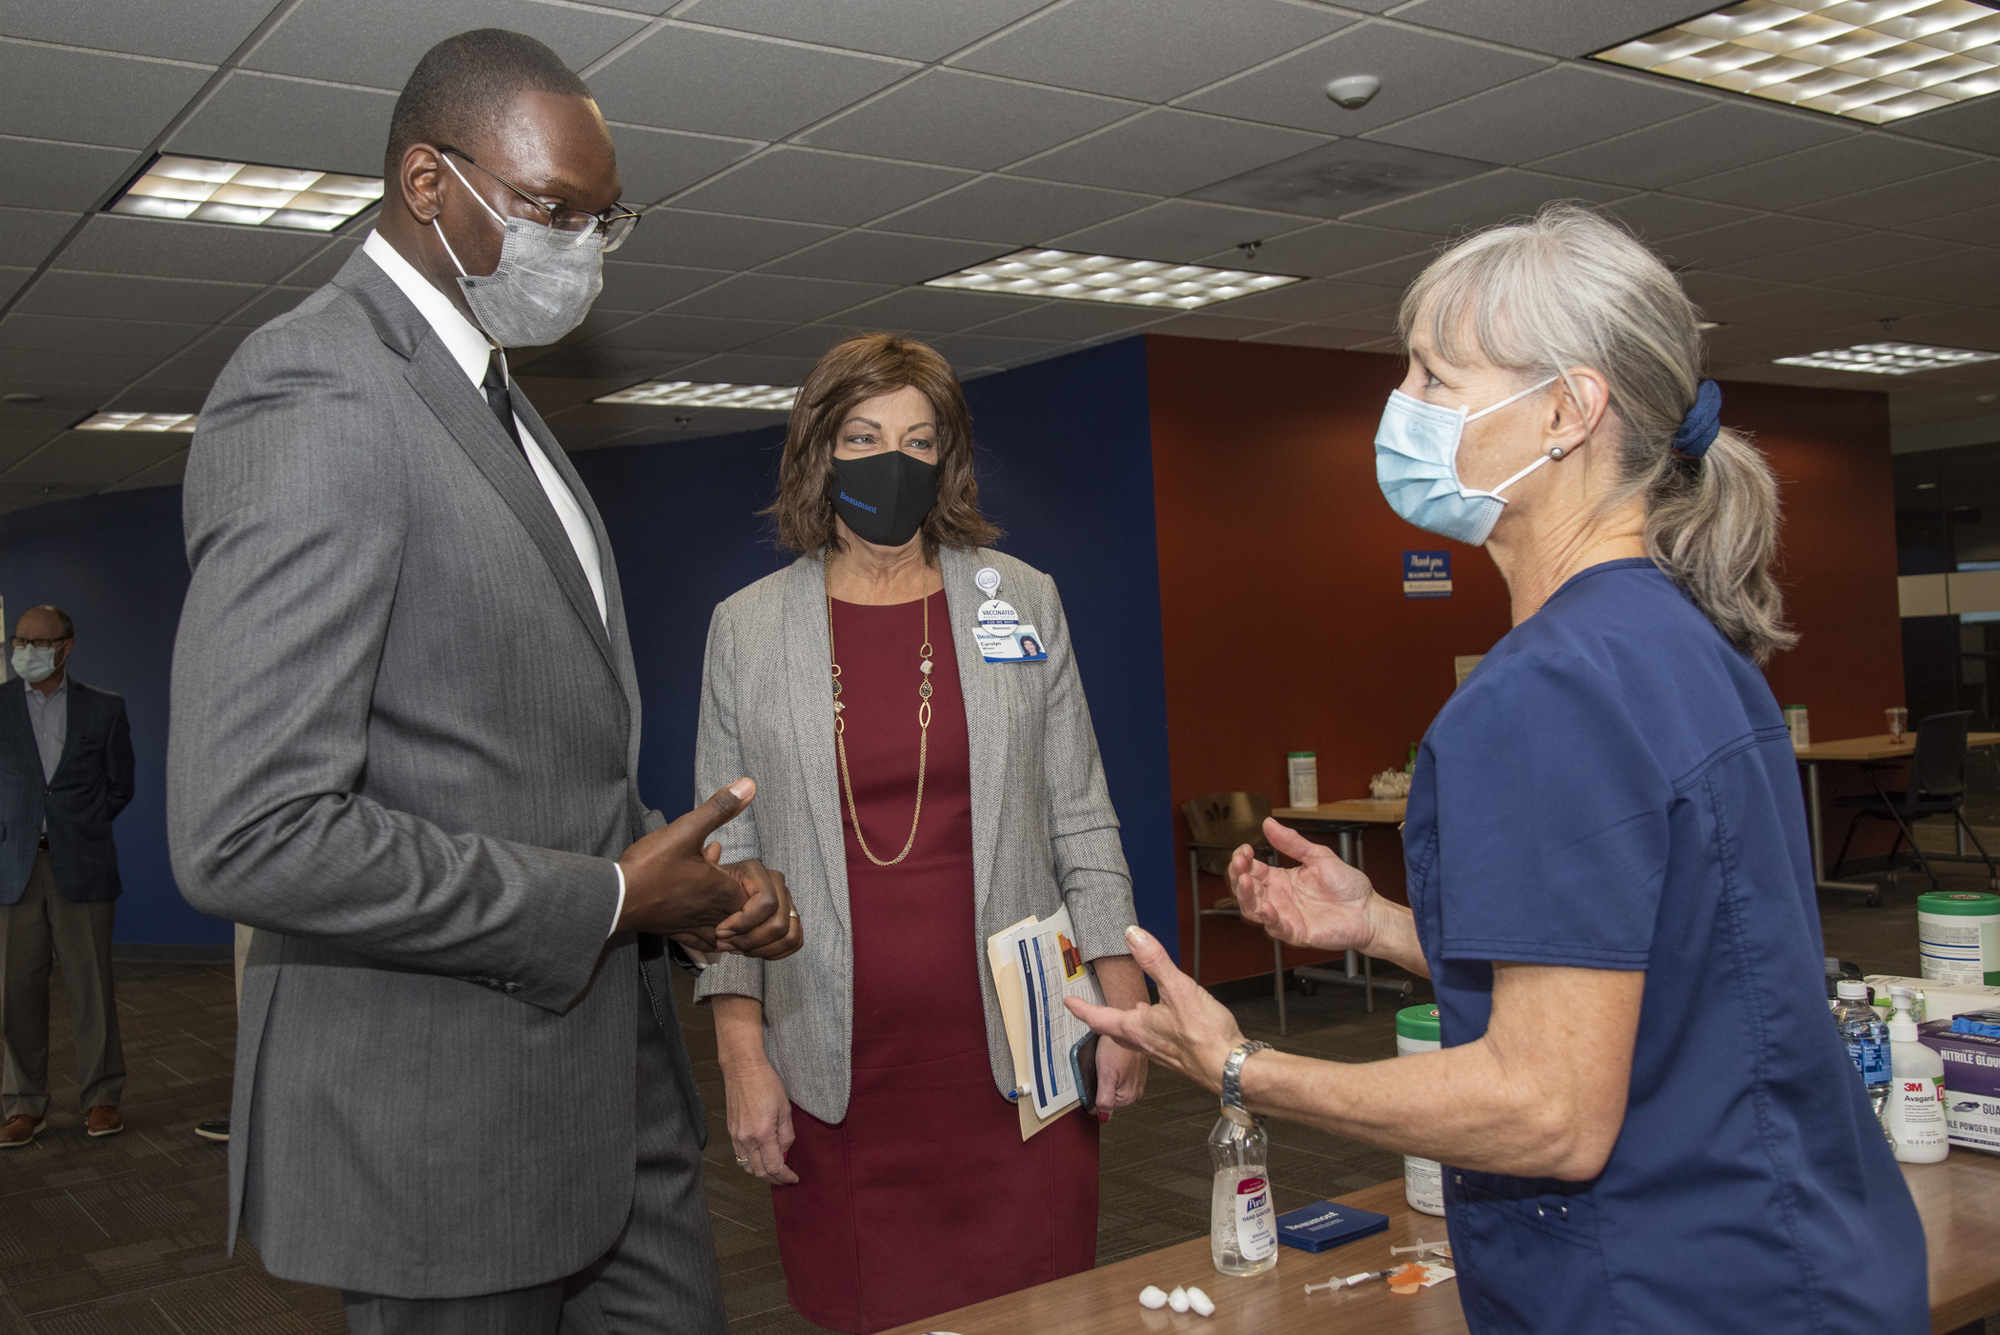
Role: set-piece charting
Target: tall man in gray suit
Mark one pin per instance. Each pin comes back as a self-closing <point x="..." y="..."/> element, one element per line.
<point x="405" y="730"/>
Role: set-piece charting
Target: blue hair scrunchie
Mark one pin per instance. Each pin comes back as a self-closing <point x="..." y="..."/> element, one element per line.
<point x="1703" y="421"/>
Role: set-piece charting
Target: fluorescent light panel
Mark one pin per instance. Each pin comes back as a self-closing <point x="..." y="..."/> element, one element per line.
<point x="1868" y="60"/>
<point x="237" y="192"/>
<point x="137" y="422"/>
<point x="1065" y="274"/>
<point x="1890" y="358"/>
<point x="691" y="394"/>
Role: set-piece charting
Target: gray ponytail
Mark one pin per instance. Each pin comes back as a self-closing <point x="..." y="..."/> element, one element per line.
<point x="1569" y="288"/>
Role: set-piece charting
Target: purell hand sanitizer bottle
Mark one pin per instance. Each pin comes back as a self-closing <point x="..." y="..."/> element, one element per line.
<point x="1242" y="1222"/>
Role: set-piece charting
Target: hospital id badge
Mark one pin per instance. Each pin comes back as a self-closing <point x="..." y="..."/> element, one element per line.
<point x="1003" y="638"/>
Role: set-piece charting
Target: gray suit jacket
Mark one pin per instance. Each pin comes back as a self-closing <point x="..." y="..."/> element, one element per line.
<point x="1043" y="830"/>
<point x="403" y="747"/>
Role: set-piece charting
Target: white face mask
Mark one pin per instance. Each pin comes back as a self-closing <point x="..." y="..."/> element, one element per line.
<point x="35" y="665"/>
<point x="542" y="288"/>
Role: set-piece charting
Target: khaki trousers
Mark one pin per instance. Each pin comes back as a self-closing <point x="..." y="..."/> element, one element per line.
<point x="42" y="928"/>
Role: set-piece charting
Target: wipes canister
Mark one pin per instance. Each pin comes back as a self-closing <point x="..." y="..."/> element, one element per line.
<point x="1958" y="937"/>
<point x="1423" y="1179"/>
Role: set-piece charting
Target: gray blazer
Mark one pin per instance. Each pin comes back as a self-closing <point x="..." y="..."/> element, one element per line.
<point x="402" y="748"/>
<point x="1043" y="830"/>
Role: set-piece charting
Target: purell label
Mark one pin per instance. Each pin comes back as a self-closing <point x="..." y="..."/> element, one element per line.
<point x="1256" y="1222"/>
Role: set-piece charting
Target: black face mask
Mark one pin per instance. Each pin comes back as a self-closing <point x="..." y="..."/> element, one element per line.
<point x="884" y="497"/>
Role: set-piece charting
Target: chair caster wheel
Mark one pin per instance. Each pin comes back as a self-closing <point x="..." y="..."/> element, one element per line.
<point x="1874" y="901"/>
<point x="1308" y="988"/>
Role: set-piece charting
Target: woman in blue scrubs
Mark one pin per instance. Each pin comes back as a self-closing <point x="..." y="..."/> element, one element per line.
<point x="1648" y="1119"/>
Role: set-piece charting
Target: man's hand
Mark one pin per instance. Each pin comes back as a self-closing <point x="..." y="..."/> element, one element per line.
<point x="767" y="927"/>
<point x="673" y="886"/>
<point x="1189" y="1030"/>
<point x="1323" y="902"/>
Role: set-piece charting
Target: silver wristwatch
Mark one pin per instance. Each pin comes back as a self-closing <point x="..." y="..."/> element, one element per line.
<point x="1232" y="1072"/>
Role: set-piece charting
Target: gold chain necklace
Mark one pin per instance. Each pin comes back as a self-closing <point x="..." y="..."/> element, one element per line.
<point x="923" y="743"/>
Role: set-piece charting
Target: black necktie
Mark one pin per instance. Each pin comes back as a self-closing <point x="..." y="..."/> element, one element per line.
<point x="501" y="400"/>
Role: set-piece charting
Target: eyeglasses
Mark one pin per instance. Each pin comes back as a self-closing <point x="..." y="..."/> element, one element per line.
<point x="571" y="226"/>
<point x="20" y="643"/>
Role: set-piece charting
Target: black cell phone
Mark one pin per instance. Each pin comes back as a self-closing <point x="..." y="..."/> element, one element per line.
<point x="1083" y="1066"/>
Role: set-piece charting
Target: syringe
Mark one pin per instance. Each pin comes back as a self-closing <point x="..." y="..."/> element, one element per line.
<point x="1351" y="1280"/>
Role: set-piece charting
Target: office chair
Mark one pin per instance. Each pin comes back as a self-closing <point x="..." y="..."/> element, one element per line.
<point x="1219" y="824"/>
<point x="1936" y="788"/>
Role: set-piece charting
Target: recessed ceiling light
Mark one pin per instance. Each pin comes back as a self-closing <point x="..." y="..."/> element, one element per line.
<point x="1868" y="60"/>
<point x="1062" y="273"/>
<point x="691" y="394"/>
<point x="137" y="422"/>
<point x="21" y="397"/>
<point x="1889" y="358"/>
<point x="237" y="192"/>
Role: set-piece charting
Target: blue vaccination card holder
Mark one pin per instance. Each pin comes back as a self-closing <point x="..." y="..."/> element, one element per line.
<point x="1324" y="1225"/>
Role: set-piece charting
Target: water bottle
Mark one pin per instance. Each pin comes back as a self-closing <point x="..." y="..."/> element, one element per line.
<point x="1867" y="1039"/>
<point x="1242" y="1222"/>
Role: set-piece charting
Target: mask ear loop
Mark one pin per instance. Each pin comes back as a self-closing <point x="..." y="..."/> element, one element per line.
<point x="446" y="159"/>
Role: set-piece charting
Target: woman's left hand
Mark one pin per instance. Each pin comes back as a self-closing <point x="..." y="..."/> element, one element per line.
<point x="1188" y="1031"/>
<point x="1121" y="1077"/>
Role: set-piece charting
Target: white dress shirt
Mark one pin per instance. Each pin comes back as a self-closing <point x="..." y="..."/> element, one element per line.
<point x="472" y="351"/>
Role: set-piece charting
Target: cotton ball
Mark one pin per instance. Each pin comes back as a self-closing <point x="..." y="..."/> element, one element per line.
<point x="1201" y="1302"/>
<point x="1178" y="1299"/>
<point x="1152" y="1297"/>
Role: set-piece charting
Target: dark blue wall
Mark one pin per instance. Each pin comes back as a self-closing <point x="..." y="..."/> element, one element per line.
<point x="1066" y="467"/>
<point x="115" y="564"/>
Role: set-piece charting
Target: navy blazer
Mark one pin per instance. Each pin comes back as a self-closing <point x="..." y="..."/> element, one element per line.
<point x="92" y="784"/>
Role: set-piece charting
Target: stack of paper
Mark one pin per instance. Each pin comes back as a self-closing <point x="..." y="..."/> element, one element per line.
<point x="1035" y="965"/>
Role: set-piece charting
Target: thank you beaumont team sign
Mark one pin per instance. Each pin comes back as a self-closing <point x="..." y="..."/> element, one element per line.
<point x="1427" y="574"/>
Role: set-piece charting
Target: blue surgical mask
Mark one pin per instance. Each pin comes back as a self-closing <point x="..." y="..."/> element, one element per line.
<point x="1416" y="463"/>
<point x="34" y="665"/>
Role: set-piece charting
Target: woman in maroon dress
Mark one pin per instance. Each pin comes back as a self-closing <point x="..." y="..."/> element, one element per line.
<point x="918" y="797"/>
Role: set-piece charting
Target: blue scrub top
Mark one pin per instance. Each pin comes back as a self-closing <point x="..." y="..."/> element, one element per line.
<point x="1614" y="788"/>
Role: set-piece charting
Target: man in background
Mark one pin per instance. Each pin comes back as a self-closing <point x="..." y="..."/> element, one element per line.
<point x="65" y="772"/>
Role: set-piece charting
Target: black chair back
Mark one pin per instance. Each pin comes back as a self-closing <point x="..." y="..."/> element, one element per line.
<point x="1937" y="763"/>
<point x="1229" y="820"/>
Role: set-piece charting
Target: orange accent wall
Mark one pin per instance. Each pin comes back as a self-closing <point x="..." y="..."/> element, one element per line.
<point x="1283" y="616"/>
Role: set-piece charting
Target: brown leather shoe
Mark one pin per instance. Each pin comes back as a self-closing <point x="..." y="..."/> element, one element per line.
<point x="22" y="1130"/>
<point x="103" y="1120"/>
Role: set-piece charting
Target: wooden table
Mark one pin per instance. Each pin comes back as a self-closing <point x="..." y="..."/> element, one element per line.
<point x="1346" y="820"/>
<point x="1959" y="1200"/>
<point x="1856" y="751"/>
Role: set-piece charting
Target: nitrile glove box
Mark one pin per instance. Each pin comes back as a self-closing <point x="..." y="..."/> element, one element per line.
<point x="1971" y="1084"/>
<point x="1323" y="1225"/>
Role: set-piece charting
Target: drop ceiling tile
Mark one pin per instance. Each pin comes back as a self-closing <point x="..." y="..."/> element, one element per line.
<point x="806" y="185"/>
<point x="913" y="29"/>
<point x="1323" y="301"/>
<point x="1559" y="27"/>
<point x="1963" y="327"/>
<point x="269" y="305"/>
<point x="319" y="267"/>
<point x="195" y="373"/>
<point x="163" y="248"/>
<point x="553" y="394"/>
<point x="763" y="296"/>
<point x="966" y="120"/>
<point x="647" y="287"/>
<point x="1331" y="248"/>
<point x="716" y="241"/>
<point x="1483" y="200"/>
<point x="11" y="281"/>
<point x="1972" y="277"/>
<point x="1179" y="230"/>
<point x="878" y="257"/>
<point x="61" y="406"/>
<point x="1832" y="262"/>
<point x="1752" y="238"/>
<point x="28" y="235"/>
<point x="168" y="472"/>
<point x="118" y="338"/>
<point x="715" y="82"/>
<point x="809" y="341"/>
<point x="684" y="333"/>
<point x="1711" y="140"/>
<point x="937" y="310"/>
<point x="36" y="174"/>
<point x="986" y="350"/>
<point x="1738" y="298"/>
<point x="1657" y="218"/>
<point x="1318" y="336"/>
<point x="1977" y="226"/>
<point x="589" y="362"/>
<point x="217" y="345"/>
<point x="198" y="30"/>
<point x="1103" y="46"/>
<point x="16" y="445"/>
<point x="1072" y="321"/>
<point x="153" y="400"/>
<point x="741" y="368"/>
<point x="1917" y="204"/>
<point x="36" y="367"/>
<point x="1008" y="209"/>
<point x="94" y="459"/>
<point x="1812" y="174"/>
<point x="52" y="92"/>
<point x="1201" y="324"/>
<point x="1974" y="124"/>
<point x="1167" y="152"/>
<point x="1398" y="273"/>
<point x="123" y="297"/>
<point x="290" y="123"/>
<point x="1342" y="177"/>
<point x="378" y="42"/>
<point x="1419" y="70"/>
<point x="1561" y="108"/>
<point x="653" y="164"/>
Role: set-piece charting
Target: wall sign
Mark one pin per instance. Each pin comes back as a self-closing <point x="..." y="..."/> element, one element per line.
<point x="1427" y="574"/>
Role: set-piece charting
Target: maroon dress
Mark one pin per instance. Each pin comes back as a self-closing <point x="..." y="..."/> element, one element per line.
<point x="924" y="1198"/>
